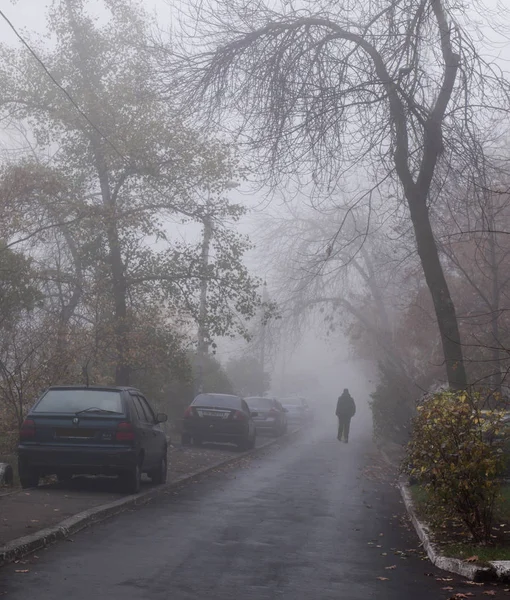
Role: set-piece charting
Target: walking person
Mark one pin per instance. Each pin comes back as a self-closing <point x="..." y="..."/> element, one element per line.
<point x="345" y="410"/>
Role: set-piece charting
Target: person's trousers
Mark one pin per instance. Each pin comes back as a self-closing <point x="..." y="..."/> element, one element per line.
<point x="344" y="424"/>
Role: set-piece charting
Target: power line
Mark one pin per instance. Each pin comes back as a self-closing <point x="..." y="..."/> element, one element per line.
<point x="60" y="87"/>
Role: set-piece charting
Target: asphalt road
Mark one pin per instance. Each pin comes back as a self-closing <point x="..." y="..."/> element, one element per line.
<point x="307" y="521"/>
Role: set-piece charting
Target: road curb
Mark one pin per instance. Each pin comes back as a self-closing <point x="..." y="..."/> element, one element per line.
<point x="20" y="547"/>
<point x="453" y="565"/>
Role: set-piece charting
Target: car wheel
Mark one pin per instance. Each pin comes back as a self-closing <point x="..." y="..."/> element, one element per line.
<point x="132" y="479"/>
<point x="159" y="475"/>
<point x="247" y="444"/>
<point x="242" y="446"/>
<point x="63" y="476"/>
<point x="28" y="476"/>
<point x="185" y="439"/>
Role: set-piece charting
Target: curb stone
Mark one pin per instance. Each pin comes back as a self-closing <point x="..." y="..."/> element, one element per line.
<point x="454" y="565"/>
<point x="25" y="545"/>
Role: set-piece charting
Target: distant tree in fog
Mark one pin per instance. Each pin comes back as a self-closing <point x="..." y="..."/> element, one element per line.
<point x="247" y="376"/>
<point x="391" y="89"/>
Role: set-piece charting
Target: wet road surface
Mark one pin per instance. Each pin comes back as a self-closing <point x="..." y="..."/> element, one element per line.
<point x="302" y="522"/>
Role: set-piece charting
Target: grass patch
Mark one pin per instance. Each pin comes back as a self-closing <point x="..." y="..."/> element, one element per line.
<point x="485" y="554"/>
<point x="452" y="537"/>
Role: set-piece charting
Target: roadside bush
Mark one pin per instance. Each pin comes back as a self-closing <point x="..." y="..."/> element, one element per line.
<point x="456" y="454"/>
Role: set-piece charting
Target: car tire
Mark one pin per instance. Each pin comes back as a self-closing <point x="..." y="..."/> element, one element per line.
<point x="132" y="479"/>
<point x="158" y="476"/>
<point x="185" y="439"/>
<point x="242" y="446"/>
<point x="28" y="476"/>
<point x="63" y="476"/>
<point x="247" y="444"/>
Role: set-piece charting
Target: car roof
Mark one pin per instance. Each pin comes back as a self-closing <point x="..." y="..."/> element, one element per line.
<point x="113" y="388"/>
<point x="219" y="395"/>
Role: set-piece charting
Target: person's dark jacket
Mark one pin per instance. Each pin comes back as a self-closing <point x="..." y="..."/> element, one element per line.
<point x="345" y="406"/>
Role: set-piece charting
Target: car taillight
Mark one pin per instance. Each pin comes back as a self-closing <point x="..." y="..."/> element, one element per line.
<point x="188" y="412"/>
<point x="27" y="431"/>
<point x="239" y="416"/>
<point x="125" y="432"/>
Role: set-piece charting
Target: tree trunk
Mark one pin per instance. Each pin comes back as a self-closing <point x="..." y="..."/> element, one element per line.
<point x="119" y="285"/>
<point x="203" y="345"/>
<point x="495" y="308"/>
<point x="441" y="297"/>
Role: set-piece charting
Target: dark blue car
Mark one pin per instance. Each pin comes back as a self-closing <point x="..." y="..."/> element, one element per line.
<point x="92" y="430"/>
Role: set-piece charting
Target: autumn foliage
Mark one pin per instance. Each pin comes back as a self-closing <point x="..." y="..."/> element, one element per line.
<point x="456" y="454"/>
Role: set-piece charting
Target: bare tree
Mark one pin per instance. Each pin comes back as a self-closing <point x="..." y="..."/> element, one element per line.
<point x="387" y="89"/>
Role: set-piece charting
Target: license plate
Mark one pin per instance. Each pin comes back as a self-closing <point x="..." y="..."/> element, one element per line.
<point x="213" y="413"/>
<point x="77" y="434"/>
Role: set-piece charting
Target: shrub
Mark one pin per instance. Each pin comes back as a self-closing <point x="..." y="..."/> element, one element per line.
<point x="455" y="452"/>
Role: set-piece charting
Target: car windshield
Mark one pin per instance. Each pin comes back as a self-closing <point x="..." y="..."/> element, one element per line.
<point x="72" y="401"/>
<point x="261" y="403"/>
<point x="220" y="400"/>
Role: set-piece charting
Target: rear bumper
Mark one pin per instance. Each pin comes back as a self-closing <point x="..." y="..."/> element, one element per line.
<point x="94" y="460"/>
<point x="268" y="425"/>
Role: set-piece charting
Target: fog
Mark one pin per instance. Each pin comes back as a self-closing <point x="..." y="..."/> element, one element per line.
<point x="376" y="247"/>
<point x="228" y="229"/>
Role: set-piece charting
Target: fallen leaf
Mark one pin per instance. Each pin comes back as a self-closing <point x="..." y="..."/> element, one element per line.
<point x="448" y="588"/>
<point x="489" y="593"/>
<point x="22" y="571"/>
<point x="383" y="578"/>
<point x="471" y="559"/>
<point x="444" y="579"/>
<point x="391" y="568"/>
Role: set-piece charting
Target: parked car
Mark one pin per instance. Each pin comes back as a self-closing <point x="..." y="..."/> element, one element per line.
<point x="95" y="431"/>
<point x="271" y="415"/>
<point x="219" y="418"/>
<point x="298" y="410"/>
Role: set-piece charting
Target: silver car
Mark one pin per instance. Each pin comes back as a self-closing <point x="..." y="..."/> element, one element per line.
<point x="298" y="410"/>
<point x="271" y="416"/>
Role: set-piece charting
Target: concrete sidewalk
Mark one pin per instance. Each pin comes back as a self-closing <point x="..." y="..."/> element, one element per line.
<point x="23" y="512"/>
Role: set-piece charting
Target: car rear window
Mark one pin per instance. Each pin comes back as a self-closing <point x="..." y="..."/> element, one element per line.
<point x="291" y="402"/>
<point x="259" y="402"/>
<point x="217" y="400"/>
<point x="75" y="400"/>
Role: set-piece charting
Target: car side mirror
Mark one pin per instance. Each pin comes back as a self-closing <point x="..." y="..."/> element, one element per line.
<point x="254" y="413"/>
<point x="161" y="418"/>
